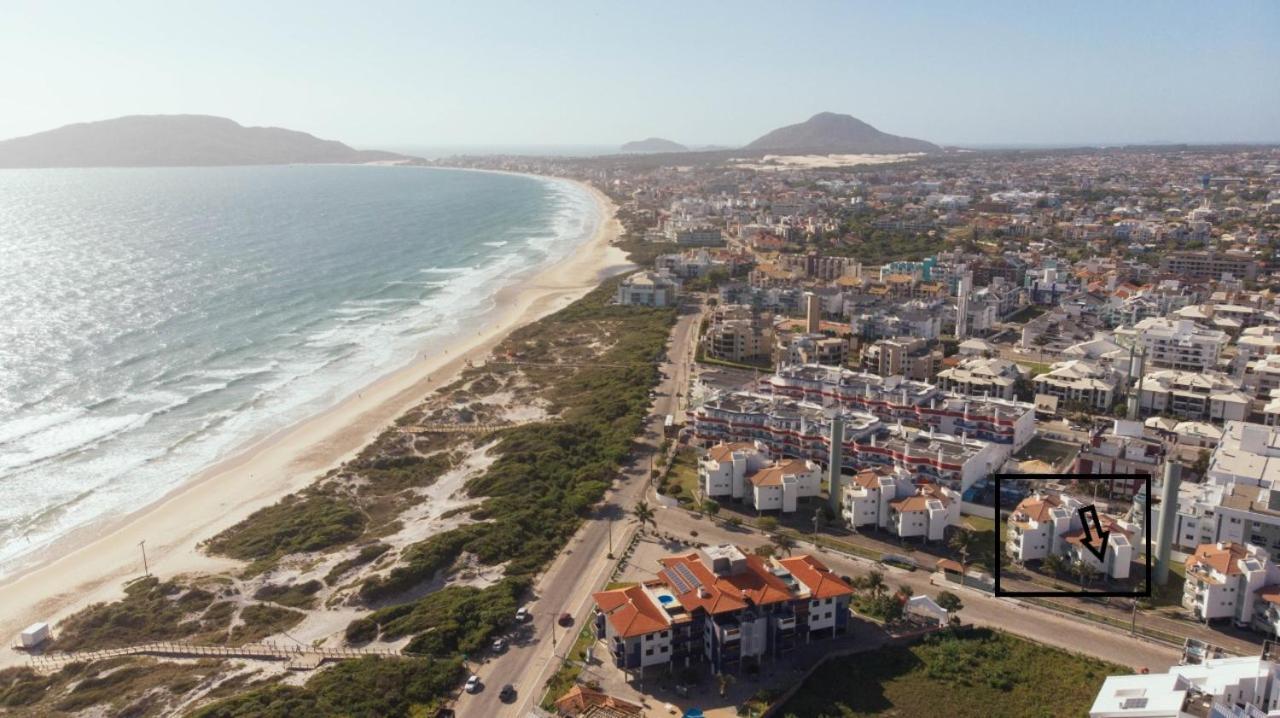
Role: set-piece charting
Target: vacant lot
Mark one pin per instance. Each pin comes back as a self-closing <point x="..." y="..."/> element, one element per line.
<point x="974" y="672"/>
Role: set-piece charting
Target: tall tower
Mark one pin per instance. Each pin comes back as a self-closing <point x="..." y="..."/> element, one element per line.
<point x="963" y="287"/>
<point x="835" y="459"/>
<point x="812" y="313"/>
<point x="1168" y="515"/>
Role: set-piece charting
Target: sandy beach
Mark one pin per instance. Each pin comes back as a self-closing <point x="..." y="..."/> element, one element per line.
<point x="92" y="564"/>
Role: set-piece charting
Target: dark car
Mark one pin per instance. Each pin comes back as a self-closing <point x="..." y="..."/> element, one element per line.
<point x="508" y="693"/>
<point x="566" y="619"/>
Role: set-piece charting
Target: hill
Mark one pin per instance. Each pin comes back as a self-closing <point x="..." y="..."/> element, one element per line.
<point x="654" y="144"/>
<point x="829" y="133"/>
<point x="174" y="141"/>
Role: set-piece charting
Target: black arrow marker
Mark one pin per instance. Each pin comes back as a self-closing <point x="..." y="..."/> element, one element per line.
<point x="1101" y="550"/>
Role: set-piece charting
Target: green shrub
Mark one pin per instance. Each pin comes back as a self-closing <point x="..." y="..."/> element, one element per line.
<point x="310" y="521"/>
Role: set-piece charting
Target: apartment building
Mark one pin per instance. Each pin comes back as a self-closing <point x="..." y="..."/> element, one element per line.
<point x="721" y="606"/>
<point x="1009" y="424"/>
<point x="724" y="471"/>
<point x="1044" y="525"/>
<point x="1239" y="499"/>
<point x="1206" y="395"/>
<point x="648" y="289"/>
<point x="1227" y="580"/>
<point x="910" y="357"/>
<point x="799" y="429"/>
<point x="745" y="339"/>
<point x="1213" y="688"/>
<point x="1125" y="448"/>
<point x="889" y="499"/>
<point x="805" y="348"/>
<point x="982" y="376"/>
<point x="1210" y="264"/>
<point x="1081" y="381"/>
<point x="1175" y="343"/>
<point x="780" y="485"/>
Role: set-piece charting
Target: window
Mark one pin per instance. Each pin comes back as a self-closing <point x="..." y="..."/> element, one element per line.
<point x="648" y="652"/>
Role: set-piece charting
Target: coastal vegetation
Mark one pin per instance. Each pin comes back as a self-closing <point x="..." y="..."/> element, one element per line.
<point x="959" y="672"/>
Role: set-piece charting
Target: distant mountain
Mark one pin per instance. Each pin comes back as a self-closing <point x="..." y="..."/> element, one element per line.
<point x="829" y="133"/>
<point x="176" y="140"/>
<point x="654" y="144"/>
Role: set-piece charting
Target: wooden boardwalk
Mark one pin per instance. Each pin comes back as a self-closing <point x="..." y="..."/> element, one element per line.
<point x="298" y="657"/>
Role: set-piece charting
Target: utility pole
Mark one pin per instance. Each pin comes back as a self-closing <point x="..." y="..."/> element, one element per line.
<point x="1133" y="622"/>
<point x="143" y="545"/>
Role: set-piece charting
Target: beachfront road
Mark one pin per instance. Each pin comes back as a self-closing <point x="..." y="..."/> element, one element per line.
<point x="583" y="566"/>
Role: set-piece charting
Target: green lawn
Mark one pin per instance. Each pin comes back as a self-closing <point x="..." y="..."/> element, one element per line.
<point x="684" y="473"/>
<point x="977" y="673"/>
<point x="979" y="524"/>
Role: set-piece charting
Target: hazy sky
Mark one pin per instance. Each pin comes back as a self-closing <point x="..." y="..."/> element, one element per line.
<point x="559" y="72"/>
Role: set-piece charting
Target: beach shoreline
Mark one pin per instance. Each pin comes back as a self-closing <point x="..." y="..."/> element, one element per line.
<point x="92" y="563"/>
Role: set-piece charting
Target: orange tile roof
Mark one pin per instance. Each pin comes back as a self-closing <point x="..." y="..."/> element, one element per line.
<point x="1036" y="508"/>
<point x="870" y="478"/>
<point x="631" y="611"/>
<point x="1270" y="594"/>
<point x="724" y="452"/>
<point x="1224" y="560"/>
<point x="1108" y="524"/>
<point x="919" y="501"/>
<point x="756" y="585"/>
<point x="579" y="698"/>
<point x="812" y="573"/>
<point x="773" y="474"/>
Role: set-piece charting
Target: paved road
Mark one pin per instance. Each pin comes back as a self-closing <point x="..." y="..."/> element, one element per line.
<point x="583" y="567"/>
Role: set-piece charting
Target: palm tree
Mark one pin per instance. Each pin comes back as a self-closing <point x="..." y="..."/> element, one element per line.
<point x="644" y="514"/>
<point x="875" y="583"/>
<point x="1081" y="570"/>
<point x="782" y="542"/>
<point x="725" y="680"/>
<point x="962" y="542"/>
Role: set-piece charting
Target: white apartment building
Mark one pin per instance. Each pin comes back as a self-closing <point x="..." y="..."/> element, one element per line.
<point x="1043" y="524"/>
<point x="1207" y="395"/>
<point x="982" y="376"/>
<point x="1225" y="580"/>
<point x="1239" y="500"/>
<point x="1080" y="380"/>
<point x="1175" y="343"/>
<point x="889" y="499"/>
<point x="1217" y="687"/>
<point x="648" y="289"/>
<point x="725" y="469"/>
<point x="780" y="485"/>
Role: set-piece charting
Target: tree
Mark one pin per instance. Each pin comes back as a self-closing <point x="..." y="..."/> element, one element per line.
<point x="1082" y="571"/>
<point x="962" y="542"/>
<point x="1202" y="462"/>
<point x="950" y="601"/>
<point x="783" y="543"/>
<point x="734" y="521"/>
<point x="644" y="514"/>
<point x="1052" y="565"/>
<point x="875" y="583"/>
<point x="906" y="591"/>
<point x="768" y="524"/>
<point x="725" y="680"/>
<point x="711" y="507"/>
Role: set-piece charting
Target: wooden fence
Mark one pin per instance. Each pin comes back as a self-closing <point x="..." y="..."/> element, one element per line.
<point x="301" y="655"/>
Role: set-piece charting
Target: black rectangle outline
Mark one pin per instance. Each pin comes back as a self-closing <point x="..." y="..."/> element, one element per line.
<point x="1000" y="540"/>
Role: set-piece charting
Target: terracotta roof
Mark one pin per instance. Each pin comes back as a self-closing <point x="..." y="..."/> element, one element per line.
<point x="1108" y="524"/>
<point x="947" y="564"/>
<point x="580" y="698"/>
<point x="870" y="478"/>
<point x="1270" y="594"/>
<point x="773" y="474"/>
<point x="1036" y="508"/>
<point x="755" y="585"/>
<point x="631" y="611"/>
<point x="724" y="452"/>
<point x="919" y="501"/>
<point x="812" y="573"/>
<point x="1224" y="560"/>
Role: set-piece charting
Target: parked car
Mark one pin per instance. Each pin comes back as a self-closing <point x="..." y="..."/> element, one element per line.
<point x="566" y="619"/>
<point x="499" y="645"/>
<point x="508" y="693"/>
<point x="473" y="684"/>
<point x="522" y="615"/>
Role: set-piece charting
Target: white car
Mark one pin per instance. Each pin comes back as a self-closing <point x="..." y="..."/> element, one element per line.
<point x="522" y="615"/>
<point x="473" y="684"/>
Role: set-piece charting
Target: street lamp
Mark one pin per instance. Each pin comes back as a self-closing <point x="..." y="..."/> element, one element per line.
<point x="143" y="545"/>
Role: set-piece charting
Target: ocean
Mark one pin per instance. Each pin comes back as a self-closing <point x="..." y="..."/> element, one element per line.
<point x="154" y="320"/>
